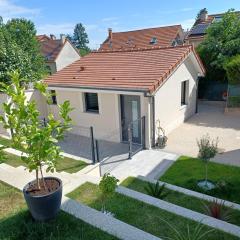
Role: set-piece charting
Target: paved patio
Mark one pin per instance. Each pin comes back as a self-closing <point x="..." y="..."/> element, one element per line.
<point x="148" y="163"/>
<point x="111" y="153"/>
<point x="212" y="120"/>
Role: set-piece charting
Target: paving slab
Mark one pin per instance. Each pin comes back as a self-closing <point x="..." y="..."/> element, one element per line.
<point x="212" y="120"/>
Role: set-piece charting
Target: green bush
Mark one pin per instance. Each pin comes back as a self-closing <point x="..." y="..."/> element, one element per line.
<point x="232" y="68"/>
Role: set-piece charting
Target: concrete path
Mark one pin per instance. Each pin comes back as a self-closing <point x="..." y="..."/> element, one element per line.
<point x="19" y="177"/>
<point x="148" y="163"/>
<point x="212" y="120"/>
<point x="181" y="211"/>
<point x="106" y="223"/>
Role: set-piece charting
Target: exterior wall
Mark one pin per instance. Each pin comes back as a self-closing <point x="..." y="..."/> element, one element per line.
<point x="52" y="67"/>
<point x="168" y="107"/>
<point x="195" y="41"/>
<point x="34" y="95"/>
<point x="67" y="56"/>
<point x="106" y="123"/>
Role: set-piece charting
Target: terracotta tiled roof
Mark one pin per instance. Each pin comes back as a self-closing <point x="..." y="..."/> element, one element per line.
<point x="141" y="38"/>
<point x="41" y="38"/>
<point x="139" y="70"/>
<point x="51" y="48"/>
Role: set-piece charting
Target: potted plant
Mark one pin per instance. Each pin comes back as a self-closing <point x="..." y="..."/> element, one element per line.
<point x="207" y="149"/>
<point x="43" y="194"/>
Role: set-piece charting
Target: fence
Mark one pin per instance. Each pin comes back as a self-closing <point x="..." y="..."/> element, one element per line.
<point x="233" y="99"/>
<point x="110" y="153"/>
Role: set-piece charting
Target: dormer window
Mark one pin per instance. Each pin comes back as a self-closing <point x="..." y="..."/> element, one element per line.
<point x="153" y="40"/>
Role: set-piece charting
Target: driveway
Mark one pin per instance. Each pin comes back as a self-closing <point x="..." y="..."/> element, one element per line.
<point x="212" y="120"/>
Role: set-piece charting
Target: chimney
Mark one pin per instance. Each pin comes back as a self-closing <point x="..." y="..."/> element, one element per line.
<point x="203" y="15"/>
<point x="63" y="38"/>
<point x="52" y="36"/>
<point x="110" y="33"/>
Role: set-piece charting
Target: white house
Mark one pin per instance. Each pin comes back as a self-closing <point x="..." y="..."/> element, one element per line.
<point x="112" y="90"/>
<point x="58" y="53"/>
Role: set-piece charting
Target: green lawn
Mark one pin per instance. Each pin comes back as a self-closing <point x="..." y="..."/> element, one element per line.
<point x="178" y="198"/>
<point x="186" y="171"/>
<point x="4" y="141"/>
<point x="139" y="214"/>
<point x="66" y="164"/>
<point x="16" y="222"/>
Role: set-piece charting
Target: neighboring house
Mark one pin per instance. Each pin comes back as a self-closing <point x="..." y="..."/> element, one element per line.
<point x="144" y="38"/>
<point x="198" y="31"/>
<point x="58" y="53"/>
<point x="111" y="90"/>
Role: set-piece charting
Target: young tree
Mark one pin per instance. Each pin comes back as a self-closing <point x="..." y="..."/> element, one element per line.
<point x="19" y="49"/>
<point x="28" y="133"/>
<point x="221" y="43"/>
<point x="207" y="149"/>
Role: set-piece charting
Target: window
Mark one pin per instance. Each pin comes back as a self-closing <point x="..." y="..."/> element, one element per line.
<point x="184" y="92"/>
<point x="54" y="97"/>
<point x="91" y="102"/>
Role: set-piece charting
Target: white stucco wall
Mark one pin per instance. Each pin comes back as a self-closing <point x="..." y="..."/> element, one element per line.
<point x="105" y="123"/>
<point x="168" y="107"/>
<point x="67" y="56"/>
<point x="35" y="95"/>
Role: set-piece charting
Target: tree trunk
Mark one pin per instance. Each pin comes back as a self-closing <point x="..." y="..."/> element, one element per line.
<point x="44" y="184"/>
<point x="37" y="179"/>
<point x="206" y="171"/>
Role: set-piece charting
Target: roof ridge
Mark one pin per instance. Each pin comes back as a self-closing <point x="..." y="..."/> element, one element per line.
<point x="142" y="49"/>
<point x="144" y="29"/>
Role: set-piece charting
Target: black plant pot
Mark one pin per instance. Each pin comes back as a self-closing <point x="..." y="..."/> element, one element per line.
<point x="44" y="207"/>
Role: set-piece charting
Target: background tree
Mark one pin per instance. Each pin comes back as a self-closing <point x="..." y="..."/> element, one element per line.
<point x="80" y="39"/>
<point x="221" y="43"/>
<point x="200" y="12"/>
<point x="232" y="68"/>
<point x="19" y="49"/>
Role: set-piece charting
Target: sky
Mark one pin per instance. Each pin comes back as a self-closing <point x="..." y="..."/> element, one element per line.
<point x="60" y="16"/>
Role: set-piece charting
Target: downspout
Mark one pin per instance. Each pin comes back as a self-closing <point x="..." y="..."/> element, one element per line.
<point x="196" y="110"/>
<point x="153" y="121"/>
<point x="152" y="116"/>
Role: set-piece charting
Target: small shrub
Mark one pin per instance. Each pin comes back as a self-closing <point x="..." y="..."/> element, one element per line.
<point x="107" y="186"/>
<point x="156" y="190"/>
<point x="218" y="210"/>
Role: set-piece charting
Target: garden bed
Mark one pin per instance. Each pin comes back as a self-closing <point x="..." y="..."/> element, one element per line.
<point x="179" y="199"/>
<point x="141" y="215"/>
<point x="16" y="222"/>
<point x="66" y="164"/>
<point x="186" y="172"/>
